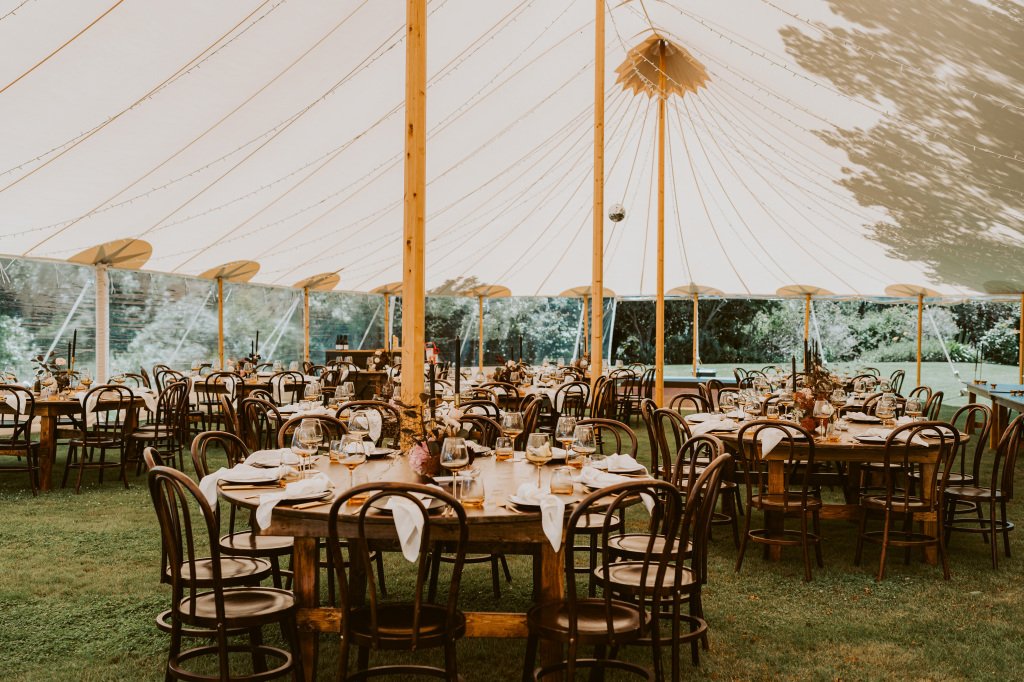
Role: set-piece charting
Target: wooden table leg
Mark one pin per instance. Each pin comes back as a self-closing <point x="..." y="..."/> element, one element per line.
<point x="773" y="521"/>
<point x="305" y="566"/>
<point x="552" y="588"/>
<point x="971" y="424"/>
<point x="47" y="449"/>
<point x="999" y="415"/>
<point x="930" y="526"/>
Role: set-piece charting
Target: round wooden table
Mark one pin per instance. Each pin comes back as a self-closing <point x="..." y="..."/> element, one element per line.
<point x="493" y="528"/>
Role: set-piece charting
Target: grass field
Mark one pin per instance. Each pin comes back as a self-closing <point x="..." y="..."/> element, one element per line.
<point x="79" y="590"/>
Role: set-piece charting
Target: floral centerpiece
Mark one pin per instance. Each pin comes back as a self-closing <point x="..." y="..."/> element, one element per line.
<point x="422" y="437"/>
<point x="511" y="370"/>
<point x="818" y="384"/>
<point x="55" y="367"/>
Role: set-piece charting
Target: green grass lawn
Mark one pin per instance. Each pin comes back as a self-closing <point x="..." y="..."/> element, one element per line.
<point x="79" y="590"/>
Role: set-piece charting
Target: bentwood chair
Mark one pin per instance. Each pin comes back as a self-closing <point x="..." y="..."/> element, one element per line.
<point x="287" y="387"/>
<point x="167" y="429"/>
<point x="686" y="573"/>
<point x="690" y="402"/>
<point x="991" y="498"/>
<point x="333" y="428"/>
<point x="244" y="541"/>
<point x="934" y="407"/>
<point x="414" y="621"/>
<point x="571" y="400"/>
<point x="487" y="408"/>
<point x="390" y="417"/>
<point x="260" y="423"/>
<point x="105" y="415"/>
<point x="607" y="622"/>
<point x="209" y="390"/>
<point x="901" y="509"/>
<point x="17" y="411"/>
<point x="797" y="498"/>
<point x="213" y="596"/>
<point x="615" y="430"/>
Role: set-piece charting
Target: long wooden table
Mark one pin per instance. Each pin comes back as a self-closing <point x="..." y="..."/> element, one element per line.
<point x="492" y="528"/>
<point x="852" y="453"/>
<point x="1002" y="403"/>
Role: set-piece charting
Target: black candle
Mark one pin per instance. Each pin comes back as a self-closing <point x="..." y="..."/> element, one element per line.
<point x="256" y="346"/>
<point x="252" y="347"/>
<point x="74" y="344"/>
<point x="458" y="365"/>
<point x="794" y="374"/>
<point x="431" y="398"/>
<point x="520" y="348"/>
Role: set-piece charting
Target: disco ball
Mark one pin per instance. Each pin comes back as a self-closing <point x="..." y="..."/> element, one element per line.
<point x="616" y="213"/>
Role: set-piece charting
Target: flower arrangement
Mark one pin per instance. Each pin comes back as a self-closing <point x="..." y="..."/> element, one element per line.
<point x="423" y="437"/>
<point x="55" y="367"/>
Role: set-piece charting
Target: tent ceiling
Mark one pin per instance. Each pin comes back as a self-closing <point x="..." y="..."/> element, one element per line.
<point x="851" y="145"/>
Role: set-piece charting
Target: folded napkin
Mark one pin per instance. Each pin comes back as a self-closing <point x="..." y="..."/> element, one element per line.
<point x="302" y="488"/>
<point x="148" y="397"/>
<point x="769" y="438"/>
<point x="698" y="417"/>
<point x="476" y="448"/>
<point x="902" y="437"/>
<point x="240" y="473"/>
<point x="622" y="462"/>
<point x="272" y="458"/>
<point x="595" y="478"/>
<point x="861" y="417"/>
<point x="552" y="511"/>
<point x="713" y="424"/>
<point x="408" y="519"/>
<point x="15" y="401"/>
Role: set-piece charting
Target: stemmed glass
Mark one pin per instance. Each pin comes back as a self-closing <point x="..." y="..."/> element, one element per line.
<point x="86" y="379"/>
<point x="565" y="433"/>
<point x="538" y="451"/>
<point x="885" y="409"/>
<point x="305" y="441"/>
<point x="727" y="403"/>
<point x="312" y="391"/>
<point x="838" y="400"/>
<point x="352" y="455"/>
<point x="512" y="424"/>
<point x="786" y="399"/>
<point x="914" y="408"/>
<point x="584" y="442"/>
<point x="359" y="423"/>
<point x="823" y="412"/>
<point x="454" y="456"/>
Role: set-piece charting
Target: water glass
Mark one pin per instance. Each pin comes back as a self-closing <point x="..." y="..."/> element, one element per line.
<point x="471" y="491"/>
<point x="561" y="481"/>
<point x="503" y="448"/>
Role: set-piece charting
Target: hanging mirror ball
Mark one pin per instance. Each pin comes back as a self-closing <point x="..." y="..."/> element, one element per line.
<point x="616" y="213"/>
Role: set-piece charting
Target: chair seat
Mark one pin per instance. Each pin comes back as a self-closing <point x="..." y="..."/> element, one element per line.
<point x="17" y="449"/>
<point x="973" y="492"/>
<point x="792" y="502"/>
<point x="246" y="543"/>
<point x="152" y="431"/>
<point x="244" y="604"/>
<point x="635" y="544"/>
<point x="233" y="570"/>
<point x="628" y="574"/>
<point x="394" y="622"/>
<point x="96" y="441"/>
<point x="551" y="621"/>
<point x="898" y="505"/>
<point x="594" y="523"/>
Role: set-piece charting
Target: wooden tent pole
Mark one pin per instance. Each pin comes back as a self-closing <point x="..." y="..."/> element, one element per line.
<point x="305" y="324"/>
<point x="1020" y="344"/>
<point x="220" y="321"/>
<point x="586" y="325"/>
<point x="807" y="318"/>
<point x="597" y="265"/>
<point x="387" y="325"/>
<point x="413" y="295"/>
<point x="920" y="319"/>
<point x="659" y="314"/>
<point x="696" y="335"/>
<point x="480" y="346"/>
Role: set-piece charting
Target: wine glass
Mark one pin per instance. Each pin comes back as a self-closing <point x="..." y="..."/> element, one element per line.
<point x="454" y="456"/>
<point x="86" y="379"/>
<point x="359" y="423"/>
<point x="786" y="399"/>
<point x="312" y="391"/>
<point x="823" y="412"/>
<point x="727" y="403"/>
<point x="914" y="408"/>
<point x="584" y="443"/>
<point x="512" y="424"/>
<point x="352" y="455"/>
<point x="565" y="433"/>
<point x="304" y="445"/>
<point x="538" y="451"/>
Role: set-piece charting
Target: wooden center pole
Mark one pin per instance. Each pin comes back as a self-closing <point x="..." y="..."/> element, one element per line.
<point x="220" y="320"/>
<point x="807" y="318"/>
<point x="413" y="295"/>
<point x="586" y="325"/>
<point x="480" y="346"/>
<point x="305" y="324"/>
<point x="597" y="265"/>
<point x="659" y="314"/>
<point x="696" y="336"/>
<point x="920" y="320"/>
<point x="387" y="324"/>
<point x="1020" y="344"/>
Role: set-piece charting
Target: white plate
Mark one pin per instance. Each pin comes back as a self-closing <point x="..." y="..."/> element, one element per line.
<point x="870" y="439"/>
<point x="310" y="497"/>
<point x="523" y="504"/>
<point x="698" y="417"/>
<point x="244" y="481"/>
<point x="866" y="419"/>
<point x="627" y="472"/>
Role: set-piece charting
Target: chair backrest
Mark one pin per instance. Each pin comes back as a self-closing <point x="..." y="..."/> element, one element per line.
<point x="209" y="388"/>
<point x="502" y="389"/>
<point x="262" y="394"/>
<point x="333" y="428"/>
<point x="692" y="458"/>
<point x="145" y="377"/>
<point x="483" y="430"/>
<point x="896" y="381"/>
<point x="572" y="400"/>
<point x="230" y="415"/>
<point x="16" y="419"/>
<point x="530" y="407"/>
<point x="903" y="446"/>
<point x="604" y="428"/>
<point x="1004" y="463"/>
<point x="934" y="407"/>
<point x="873" y="371"/>
<point x="606" y="507"/>
<point x="172" y="408"/>
<point x="670" y="432"/>
<point x="165" y="375"/>
<point x="712" y="387"/>
<point x="690" y="401"/>
<point x="287" y="387"/>
<point x="133" y="380"/>
<point x="922" y="392"/>
<point x="260" y="421"/>
<point x="730" y="391"/>
<point x="390" y="417"/>
<point x="481" y="393"/>
<point x="353" y="527"/>
<point x="606" y="400"/>
<point x="740" y="374"/>
<point x="976" y="417"/>
<point x="695" y="526"/>
<point x="234" y="449"/>
<point x="487" y="408"/>
<point x="647" y="409"/>
<point x="795" y="449"/>
<point x="109" y="405"/>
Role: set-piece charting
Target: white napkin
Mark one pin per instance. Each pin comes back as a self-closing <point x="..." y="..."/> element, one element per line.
<point x="713" y="424"/>
<point x="769" y="438"/>
<point x="698" y="417"/>
<point x="303" y="488"/>
<point x="476" y="448"/>
<point x="860" y="417"/>
<point x="902" y="437"/>
<point x="408" y="524"/>
<point x="622" y="462"/>
<point x="240" y="473"/>
<point x="595" y="478"/>
<point x="272" y="458"/>
<point x="148" y="397"/>
<point x="552" y="511"/>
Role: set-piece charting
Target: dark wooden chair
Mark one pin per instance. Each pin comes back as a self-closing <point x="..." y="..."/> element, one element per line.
<point x="508" y="395"/>
<point x="615" y="430"/>
<point x="167" y="430"/>
<point x="390" y="417"/>
<point x="487" y="408"/>
<point x="260" y="422"/>
<point x="797" y="499"/>
<point x="104" y="418"/>
<point x="991" y="498"/>
<point x="287" y="387"/>
<point x="896" y="381"/>
<point x="711" y="389"/>
<point x="413" y="622"/>
<point x="934" y="407"/>
<point x="210" y="593"/>
<point x="571" y="400"/>
<point x="609" y="621"/>
<point x="208" y="391"/>
<point x="333" y="428"/>
<point x="16" y="433"/>
<point x="902" y="508"/>
<point x="691" y="402"/>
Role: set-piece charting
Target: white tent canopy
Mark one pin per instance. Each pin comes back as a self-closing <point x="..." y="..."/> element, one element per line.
<point x="846" y="145"/>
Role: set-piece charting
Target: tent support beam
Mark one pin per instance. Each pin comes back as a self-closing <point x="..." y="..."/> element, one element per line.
<point x="480" y="345"/>
<point x="305" y="324"/>
<point x="807" y="318"/>
<point x="387" y="324"/>
<point x="920" y="320"/>
<point x="220" y="321"/>
<point x="102" y="323"/>
<point x="1020" y="344"/>
<point x="696" y="335"/>
<point x="659" y="314"/>
<point x="597" y="265"/>
<point x="413" y="302"/>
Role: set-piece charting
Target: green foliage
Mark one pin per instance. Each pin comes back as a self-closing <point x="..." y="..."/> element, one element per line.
<point x="16" y="344"/>
<point x="906" y="351"/>
<point x="999" y="344"/>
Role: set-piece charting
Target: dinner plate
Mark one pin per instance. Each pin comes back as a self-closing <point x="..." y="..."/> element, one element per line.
<point x="698" y="417"/>
<point x="380" y="452"/>
<point x="434" y="505"/>
<point x="866" y="419"/>
<point x="870" y="439"/>
<point x="248" y="481"/>
<point x="524" y="504"/>
<point x="309" y="498"/>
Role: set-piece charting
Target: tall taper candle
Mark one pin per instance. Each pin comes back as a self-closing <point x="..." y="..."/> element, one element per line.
<point x="257" y="344"/>
<point x="74" y="344"/>
<point x="458" y="366"/>
<point x="431" y="398"/>
<point x="794" y="374"/>
<point x="520" y="348"/>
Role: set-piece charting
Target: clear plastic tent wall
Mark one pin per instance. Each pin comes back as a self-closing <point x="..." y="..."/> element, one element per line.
<point x="847" y="145"/>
